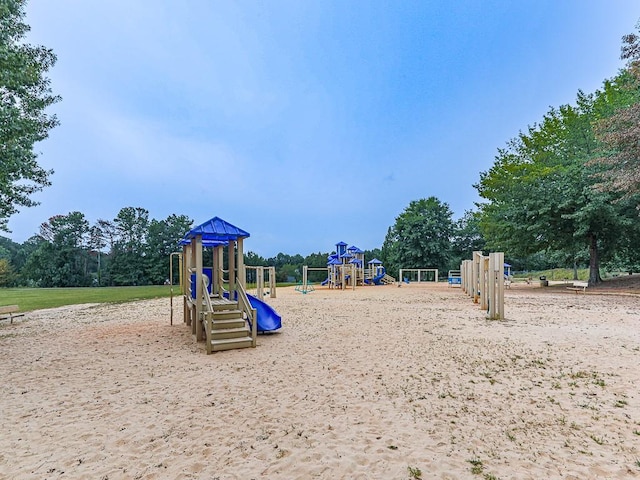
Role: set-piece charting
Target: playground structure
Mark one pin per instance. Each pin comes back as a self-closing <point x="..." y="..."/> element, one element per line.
<point x="482" y="278"/>
<point x="345" y="269"/>
<point x="454" y="279"/>
<point x="222" y="318"/>
<point x="259" y="280"/>
<point x="418" y="275"/>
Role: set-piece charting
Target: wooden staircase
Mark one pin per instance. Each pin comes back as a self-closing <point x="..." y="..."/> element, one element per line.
<point x="387" y="280"/>
<point x="226" y="327"/>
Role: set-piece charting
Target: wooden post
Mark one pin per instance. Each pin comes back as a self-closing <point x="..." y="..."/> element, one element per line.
<point x="353" y="276"/>
<point x="215" y="272"/>
<point x="496" y="286"/>
<point x="260" y="282"/>
<point x="485" y="282"/>
<point x="475" y="274"/>
<point x="305" y="277"/>
<point x="242" y="276"/>
<point x="196" y="327"/>
<point x="272" y="282"/>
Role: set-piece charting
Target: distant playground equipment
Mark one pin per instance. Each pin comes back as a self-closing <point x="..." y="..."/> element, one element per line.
<point x="346" y="268"/>
<point x="418" y="275"/>
<point x="454" y="279"/>
<point x="377" y="274"/>
<point x="483" y="279"/>
<point x="222" y="318"/>
<point x="260" y="272"/>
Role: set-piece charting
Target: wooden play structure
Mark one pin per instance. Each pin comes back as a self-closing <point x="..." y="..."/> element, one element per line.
<point x="419" y="275"/>
<point x="221" y="318"/>
<point x="346" y="269"/>
<point x="454" y="278"/>
<point x="260" y="272"/>
<point x="376" y="274"/>
<point x="482" y="278"/>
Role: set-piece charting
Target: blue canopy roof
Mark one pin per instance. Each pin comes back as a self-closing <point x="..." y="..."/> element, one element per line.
<point x="375" y="261"/>
<point x="218" y="230"/>
<point x="354" y="249"/>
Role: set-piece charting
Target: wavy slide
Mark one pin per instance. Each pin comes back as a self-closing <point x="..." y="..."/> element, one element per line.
<point x="268" y="319"/>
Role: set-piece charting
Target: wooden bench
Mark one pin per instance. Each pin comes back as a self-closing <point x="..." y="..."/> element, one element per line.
<point x="10" y="312"/>
<point x="579" y="286"/>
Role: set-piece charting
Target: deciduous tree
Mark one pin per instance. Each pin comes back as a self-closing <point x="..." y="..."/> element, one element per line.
<point x="25" y="95"/>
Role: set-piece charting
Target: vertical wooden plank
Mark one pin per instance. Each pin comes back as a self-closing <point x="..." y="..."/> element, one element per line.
<point x="242" y="276"/>
<point x="272" y="282"/>
<point x="197" y="327"/>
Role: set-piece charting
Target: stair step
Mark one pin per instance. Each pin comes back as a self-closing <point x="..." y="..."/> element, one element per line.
<point x="231" y="343"/>
<point x="223" y="333"/>
<point x="228" y="323"/>
<point x="226" y="315"/>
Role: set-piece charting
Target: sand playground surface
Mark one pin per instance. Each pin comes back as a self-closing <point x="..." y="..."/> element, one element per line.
<point x="377" y="383"/>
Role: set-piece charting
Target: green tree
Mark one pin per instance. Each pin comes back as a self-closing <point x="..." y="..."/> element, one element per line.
<point x="7" y="274"/>
<point x="420" y="237"/>
<point x="62" y="256"/>
<point x="620" y="132"/>
<point x="317" y="260"/>
<point x="25" y="95"/>
<point x="161" y="240"/>
<point x="127" y="259"/>
<point x="540" y="191"/>
<point x="467" y="238"/>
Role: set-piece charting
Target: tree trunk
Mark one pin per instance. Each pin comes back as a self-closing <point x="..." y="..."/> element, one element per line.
<point x="594" y="261"/>
<point x="575" y="270"/>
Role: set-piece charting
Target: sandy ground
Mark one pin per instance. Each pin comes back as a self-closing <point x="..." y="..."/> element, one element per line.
<point x="376" y="383"/>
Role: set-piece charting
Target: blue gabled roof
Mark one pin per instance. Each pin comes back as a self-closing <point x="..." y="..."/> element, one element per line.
<point x="375" y="261"/>
<point x="217" y="229"/>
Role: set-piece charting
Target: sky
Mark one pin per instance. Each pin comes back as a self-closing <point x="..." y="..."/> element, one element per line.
<point x="303" y="122"/>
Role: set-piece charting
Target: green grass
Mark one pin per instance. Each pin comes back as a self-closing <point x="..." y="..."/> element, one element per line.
<point x="29" y="299"/>
<point x="556" y="274"/>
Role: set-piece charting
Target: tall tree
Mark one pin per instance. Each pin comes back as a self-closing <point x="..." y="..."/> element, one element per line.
<point x="162" y="239"/>
<point x="467" y="238"/>
<point x="62" y="257"/>
<point x="127" y="264"/>
<point x="25" y="95"/>
<point x="620" y="132"/>
<point x="540" y="189"/>
<point x="420" y="237"/>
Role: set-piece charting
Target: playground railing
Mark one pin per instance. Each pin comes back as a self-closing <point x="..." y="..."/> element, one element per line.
<point x="245" y="306"/>
<point x="207" y="314"/>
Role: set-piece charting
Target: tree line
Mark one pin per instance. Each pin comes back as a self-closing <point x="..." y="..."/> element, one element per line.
<point x="134" y="249"/>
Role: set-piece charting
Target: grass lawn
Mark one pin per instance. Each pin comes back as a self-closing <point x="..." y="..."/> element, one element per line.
<point x="36" y="298"/>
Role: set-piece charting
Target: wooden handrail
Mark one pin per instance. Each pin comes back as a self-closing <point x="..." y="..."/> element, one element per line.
<point x="207" y="313"/>
<point x="245" y="306"/>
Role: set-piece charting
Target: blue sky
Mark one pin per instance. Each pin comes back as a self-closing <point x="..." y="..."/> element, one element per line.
<point x="305" y="123"/>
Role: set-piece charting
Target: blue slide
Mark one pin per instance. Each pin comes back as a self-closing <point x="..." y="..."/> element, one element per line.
<point x="377" y="278"/>
<point x="268" y="318"/>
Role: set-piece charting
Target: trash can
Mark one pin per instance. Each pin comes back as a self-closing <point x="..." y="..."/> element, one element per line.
<point x="543" y="281"/>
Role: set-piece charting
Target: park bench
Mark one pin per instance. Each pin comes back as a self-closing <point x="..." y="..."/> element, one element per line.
<point x="10" y="312"/>
<point x="579" y="286"/>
